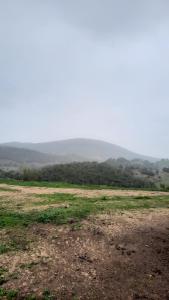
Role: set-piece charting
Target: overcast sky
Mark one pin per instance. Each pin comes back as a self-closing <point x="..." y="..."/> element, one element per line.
<point x="86" y="68"/>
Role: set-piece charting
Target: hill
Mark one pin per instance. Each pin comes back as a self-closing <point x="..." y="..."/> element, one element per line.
<point x="14" y="157"/>
<point x="83" y="150"/>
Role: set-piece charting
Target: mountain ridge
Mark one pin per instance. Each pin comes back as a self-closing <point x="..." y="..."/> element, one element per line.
<point x="13" y="158"/>
<point x="87" y="149"/>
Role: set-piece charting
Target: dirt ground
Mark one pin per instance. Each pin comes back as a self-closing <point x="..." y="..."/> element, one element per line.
<point x="116" y="256"/>
<point x="81" y="192"/>
<point x="119" y="256"/>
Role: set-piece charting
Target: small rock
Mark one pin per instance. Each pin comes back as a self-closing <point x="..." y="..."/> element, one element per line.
<point x="111" y="242"/>
<point x="97" y="231"/>
<point x="120" y="247"/>
<point x="66" y="206"/>
<point x="85" y="258"/>
<point x="157" y="271"/>
<point x="72" y="221"/>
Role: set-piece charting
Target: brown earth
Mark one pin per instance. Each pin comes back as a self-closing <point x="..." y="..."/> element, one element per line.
<point x="80" y="192"/>
<point x="121" y="256"/>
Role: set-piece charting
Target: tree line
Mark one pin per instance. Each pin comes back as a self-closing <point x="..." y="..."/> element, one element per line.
<point x="82" y="173"/>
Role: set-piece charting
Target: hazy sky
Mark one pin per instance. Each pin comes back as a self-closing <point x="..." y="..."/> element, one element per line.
<point x="86" y="68"/>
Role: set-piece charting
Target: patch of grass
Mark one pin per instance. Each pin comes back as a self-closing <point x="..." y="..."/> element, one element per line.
<point x="2" y="276"/>
<point x="53" y="184"/>
<point x="4" y="248"/>
<point x="77" y="208"/>
<point x="2" y="271"/>
<point x="47" y="295"/>
<point x="77" y="226"/>
<point x="29" y="265"/>
<point x="15" y="244"/>
<point x="67" y="185"/>
<point x="9" y="294"/>
<point x="80" y="208"/>
<point x="63" y="216"/>
<point x="13" y="219"/>
<point x="2" y="280"/>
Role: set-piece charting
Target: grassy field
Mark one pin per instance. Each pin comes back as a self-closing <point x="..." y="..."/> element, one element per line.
<point x="39" y="230"/>
<point x="64" y="208"/>
<point x="65" y="185"/>
<point x="52" y="184"/>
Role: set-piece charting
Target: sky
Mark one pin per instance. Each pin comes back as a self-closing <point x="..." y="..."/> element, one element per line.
<point x="86" y="68"/>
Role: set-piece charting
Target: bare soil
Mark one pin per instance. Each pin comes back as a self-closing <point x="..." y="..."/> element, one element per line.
<point x="115" y="256"/>
<point x="81" y="192"/>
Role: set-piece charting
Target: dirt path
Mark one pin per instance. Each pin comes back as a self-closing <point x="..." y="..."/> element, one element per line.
<point x="81" y="192"/>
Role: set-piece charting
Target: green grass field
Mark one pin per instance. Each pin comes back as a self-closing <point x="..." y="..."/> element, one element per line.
<point x="71" y="208"/>
<point x="53" y="184"/>
<point x="67" y="185"/>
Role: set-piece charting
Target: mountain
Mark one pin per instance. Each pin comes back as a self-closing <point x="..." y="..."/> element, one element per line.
<point x="14" y="157"/>
<point x="82" y="150"/>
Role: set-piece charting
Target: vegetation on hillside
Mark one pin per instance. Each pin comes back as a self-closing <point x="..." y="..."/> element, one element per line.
<point x="112" y="173"/>
<point x="89" y="173"/>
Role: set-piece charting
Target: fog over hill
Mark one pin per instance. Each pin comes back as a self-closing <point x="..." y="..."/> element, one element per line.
<point x="82" y="150"/>
<point x="14" y="157"/>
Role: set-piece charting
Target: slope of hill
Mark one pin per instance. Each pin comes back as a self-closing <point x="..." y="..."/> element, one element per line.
<point x="24" y="155"/>
<point x="92" y="150"/>
<point x="13" y="157"/>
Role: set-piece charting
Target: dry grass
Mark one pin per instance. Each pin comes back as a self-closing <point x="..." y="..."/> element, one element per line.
<point x="80" y="192"/>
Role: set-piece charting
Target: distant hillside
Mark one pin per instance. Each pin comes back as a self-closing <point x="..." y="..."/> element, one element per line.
<point x="16" y="156"/>
<point x="85" y="149"/>
<point x="13" y="157"/>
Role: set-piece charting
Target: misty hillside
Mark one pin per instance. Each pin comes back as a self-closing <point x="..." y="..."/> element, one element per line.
<point x="21" y="155"/>
<point x="14" y="157"/>
<point x="85" y="149"/>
